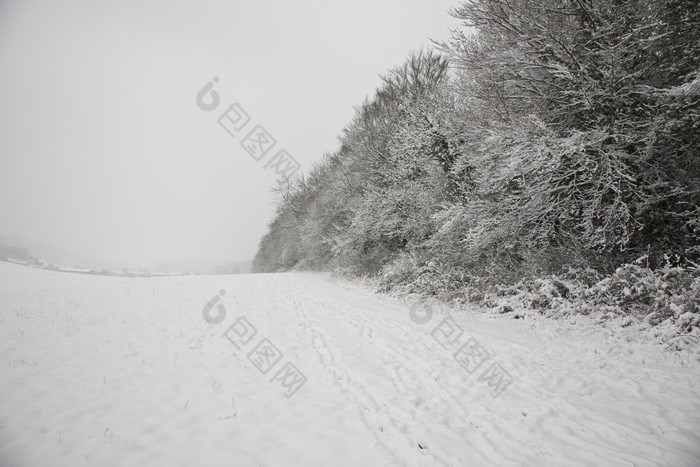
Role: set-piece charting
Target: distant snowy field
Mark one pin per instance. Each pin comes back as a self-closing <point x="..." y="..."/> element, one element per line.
<point x="108" y="371"/>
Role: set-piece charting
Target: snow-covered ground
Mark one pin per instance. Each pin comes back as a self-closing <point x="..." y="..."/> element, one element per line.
<point x="301" y="370"/>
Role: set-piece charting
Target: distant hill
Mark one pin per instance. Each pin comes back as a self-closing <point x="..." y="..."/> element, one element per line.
<point x="13" y="253"/>
<point x="54" y="254"/>
<point x="205" y="267"/>
<point x="36" y="253"/>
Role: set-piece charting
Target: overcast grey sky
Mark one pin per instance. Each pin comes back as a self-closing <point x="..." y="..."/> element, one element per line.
<point x="103" y="149"/>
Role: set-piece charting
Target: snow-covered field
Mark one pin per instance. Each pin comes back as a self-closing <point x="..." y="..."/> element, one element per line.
<point x="302" y="370"/>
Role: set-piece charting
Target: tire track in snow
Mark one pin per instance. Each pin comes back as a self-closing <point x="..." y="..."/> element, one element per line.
<point x="438" y="402"/>
<point x="395" y="431"/>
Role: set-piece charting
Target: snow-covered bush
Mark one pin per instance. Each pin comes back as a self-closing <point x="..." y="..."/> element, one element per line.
<point x="669" y="295"/>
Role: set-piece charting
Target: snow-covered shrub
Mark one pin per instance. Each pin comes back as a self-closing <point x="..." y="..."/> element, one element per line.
<point x="399" y="274"/>
<point x="665" y="293"/>
<point x="669" y="295"/>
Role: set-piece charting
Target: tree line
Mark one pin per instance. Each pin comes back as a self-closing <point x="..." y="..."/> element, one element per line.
<point x="545" y="135"/>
